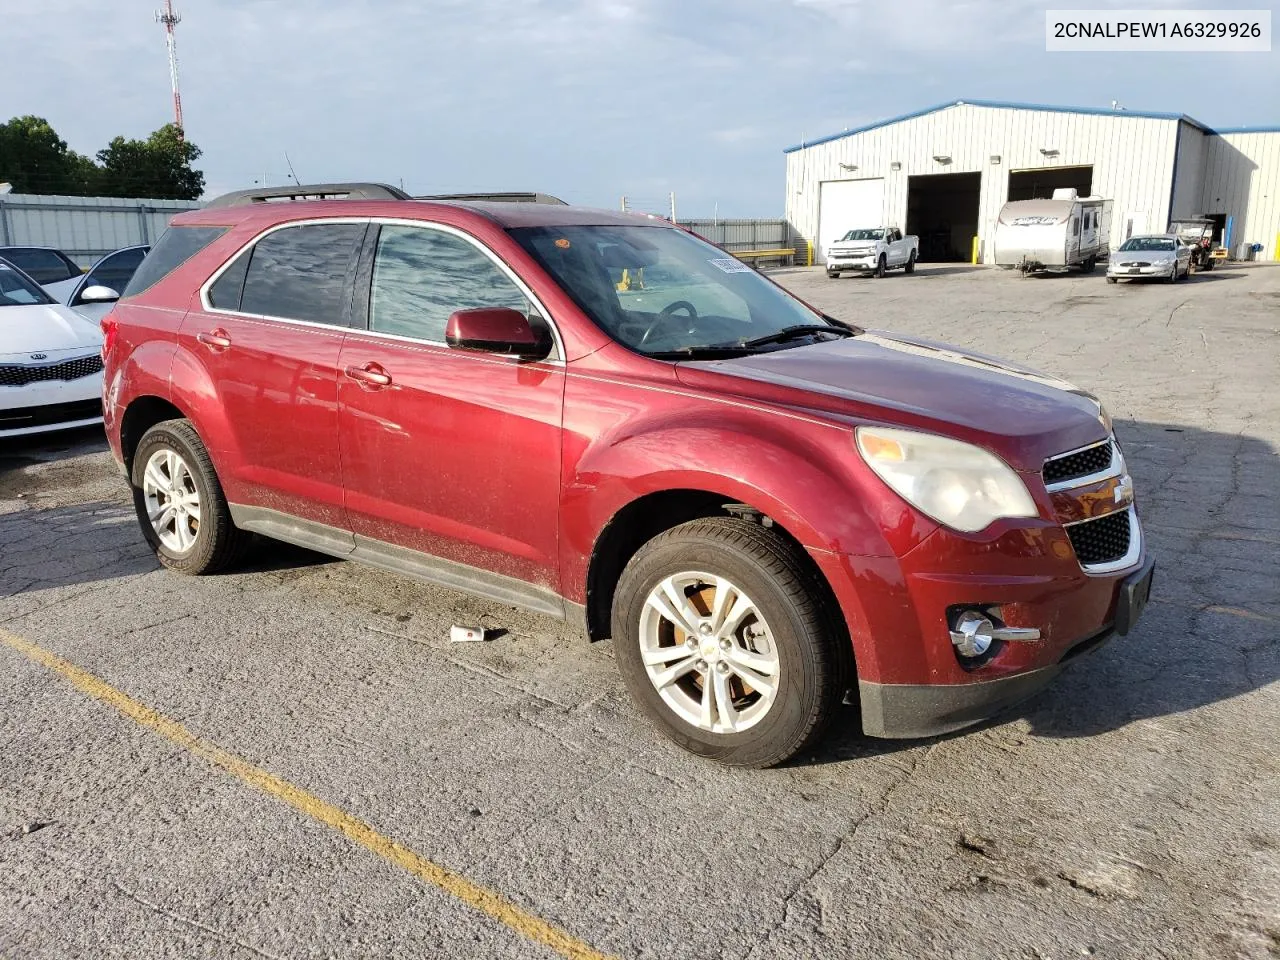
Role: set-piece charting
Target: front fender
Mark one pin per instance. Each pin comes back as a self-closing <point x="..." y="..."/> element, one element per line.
<point x="803" y="474"/>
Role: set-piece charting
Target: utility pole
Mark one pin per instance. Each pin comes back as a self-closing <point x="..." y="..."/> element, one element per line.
<point x="170" y="19"/>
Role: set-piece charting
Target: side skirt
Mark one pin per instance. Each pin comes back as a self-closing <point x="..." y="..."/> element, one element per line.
<point x="403" y="561"/>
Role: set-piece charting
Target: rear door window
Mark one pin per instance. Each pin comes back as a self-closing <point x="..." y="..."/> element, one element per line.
<point x="422" y="275"/>
<point x="175" y="247"/>
<point x="301" y="273"/>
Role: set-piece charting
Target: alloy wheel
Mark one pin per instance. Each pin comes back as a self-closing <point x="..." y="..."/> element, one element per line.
<point x="172" y="500"/>
<point x="709" y="652"/>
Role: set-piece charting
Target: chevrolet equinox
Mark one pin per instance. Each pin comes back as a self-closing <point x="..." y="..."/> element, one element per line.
<point x="601" y="417"/>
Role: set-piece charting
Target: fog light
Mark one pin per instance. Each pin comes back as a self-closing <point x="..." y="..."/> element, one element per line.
<point x="973" y="632"/>
<point x="972" y="635"/>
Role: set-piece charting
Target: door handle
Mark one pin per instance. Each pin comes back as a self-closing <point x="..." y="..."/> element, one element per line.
<point x="215" y="340"/>
<point x="370" y="375"/>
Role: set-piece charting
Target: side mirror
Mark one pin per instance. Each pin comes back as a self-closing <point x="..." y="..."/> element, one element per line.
<point x="497" y="330"/>
<point x="98" y="294"/>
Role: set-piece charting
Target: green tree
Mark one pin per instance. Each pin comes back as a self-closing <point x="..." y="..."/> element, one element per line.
<point x="36" y="160"/>
<point x="158" y="167"/>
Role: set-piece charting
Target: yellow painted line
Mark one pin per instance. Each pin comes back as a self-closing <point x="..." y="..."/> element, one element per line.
<point x="487" y="901"/>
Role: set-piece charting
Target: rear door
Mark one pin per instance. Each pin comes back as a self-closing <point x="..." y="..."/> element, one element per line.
<point x="268" y="331"/>
<point x="454" y="454"/>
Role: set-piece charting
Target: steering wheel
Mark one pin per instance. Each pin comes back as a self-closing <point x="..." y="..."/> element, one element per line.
<point x="669" y="311"/>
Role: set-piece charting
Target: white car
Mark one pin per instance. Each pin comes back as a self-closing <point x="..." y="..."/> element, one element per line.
<point x="92" y="294"/>
<point x="50" y="360"/>
<point x="1151" y="256"/>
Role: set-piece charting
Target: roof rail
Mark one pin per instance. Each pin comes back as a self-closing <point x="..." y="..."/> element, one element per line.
<point x="309" y="191"/>
<point x="509" y="197"/>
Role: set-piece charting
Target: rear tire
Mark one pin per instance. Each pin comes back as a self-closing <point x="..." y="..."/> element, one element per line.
<point x="1090" y="264"/>
<point x="911" y="263"/>
<point x="174" y="482"/>
<point x="788" y="633"/>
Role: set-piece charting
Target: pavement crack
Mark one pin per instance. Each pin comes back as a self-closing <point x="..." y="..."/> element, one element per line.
<point x="179" y="918"/>
<point x="874" y="810"/>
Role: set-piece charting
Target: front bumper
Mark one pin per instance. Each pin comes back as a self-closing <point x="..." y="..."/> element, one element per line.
<point x="50" y="405"/>
<point x="1155" y="270"/>
<point x="867" y="262"/>
<point x="903" y="711"/>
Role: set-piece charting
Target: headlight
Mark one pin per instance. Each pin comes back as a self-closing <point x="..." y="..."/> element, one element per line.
<point x="959" y="485"/>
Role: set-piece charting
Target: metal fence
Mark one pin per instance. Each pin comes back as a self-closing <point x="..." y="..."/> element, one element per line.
<point x="740" y="235"/>
<point x="84" y="228"/>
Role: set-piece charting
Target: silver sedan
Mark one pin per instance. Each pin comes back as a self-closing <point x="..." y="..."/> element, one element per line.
<point x="1159" y="256"/>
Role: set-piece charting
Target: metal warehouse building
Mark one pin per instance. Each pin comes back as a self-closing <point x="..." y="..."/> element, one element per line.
<point x="944" y="172"/>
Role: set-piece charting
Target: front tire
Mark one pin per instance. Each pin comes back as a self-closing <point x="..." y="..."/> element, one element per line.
<point x="180" y="505"/>
<point x="1111" y="280"/>
<point x="726" y="642"/>
<point x="882" y="267"/>
<point x="833" y="274"/>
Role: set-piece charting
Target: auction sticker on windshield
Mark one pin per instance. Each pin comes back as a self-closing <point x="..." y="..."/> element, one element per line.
<point x="730" y="265"/>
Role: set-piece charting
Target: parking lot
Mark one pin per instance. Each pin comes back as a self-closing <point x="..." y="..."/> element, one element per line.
<point x="515" y="802"/>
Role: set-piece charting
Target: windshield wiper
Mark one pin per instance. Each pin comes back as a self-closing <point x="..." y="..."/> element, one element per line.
<point x="799" y="330"/>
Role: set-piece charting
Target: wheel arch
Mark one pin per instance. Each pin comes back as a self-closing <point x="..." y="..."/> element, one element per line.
<point x="640" y="520"/>
<point x="143" y="413"/>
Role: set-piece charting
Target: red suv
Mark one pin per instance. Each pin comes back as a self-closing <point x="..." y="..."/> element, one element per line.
<point x="602" y="417"/>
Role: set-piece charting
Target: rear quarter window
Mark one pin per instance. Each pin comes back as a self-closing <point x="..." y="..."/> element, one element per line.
<point x="175" y="247"/>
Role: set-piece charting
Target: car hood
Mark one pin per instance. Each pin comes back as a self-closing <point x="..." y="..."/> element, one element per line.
<point x="45" y="328"/>
<point x="886" y="378"/>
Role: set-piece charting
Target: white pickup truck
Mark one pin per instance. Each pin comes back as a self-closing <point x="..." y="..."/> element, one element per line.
<point x="873" y="250"/>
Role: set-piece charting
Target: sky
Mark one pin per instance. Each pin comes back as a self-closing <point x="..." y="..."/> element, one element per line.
<point x="590" y="100"/>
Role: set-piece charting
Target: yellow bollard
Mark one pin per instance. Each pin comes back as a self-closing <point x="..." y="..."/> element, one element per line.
<point x="1278" y="247"/>
<point x="974" y="258"/>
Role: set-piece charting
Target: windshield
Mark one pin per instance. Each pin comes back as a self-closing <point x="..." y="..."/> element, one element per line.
<point x="661" y="290"/>
<point x="17" y="291"/>
<point x="864" y="235"/>
<point x="1148" y="244"/>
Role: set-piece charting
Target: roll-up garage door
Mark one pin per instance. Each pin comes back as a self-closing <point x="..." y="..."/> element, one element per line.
<point x="844" y="205"/>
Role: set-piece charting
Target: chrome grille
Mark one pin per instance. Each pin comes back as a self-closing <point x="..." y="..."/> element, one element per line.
<point x="21" y="374"/>
<point x="1079" y="463"/>
<point x="1102" y="539"/>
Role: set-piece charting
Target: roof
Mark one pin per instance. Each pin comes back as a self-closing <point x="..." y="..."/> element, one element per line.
<point x="505" y="215"/>
<point x="1008" y="105"/>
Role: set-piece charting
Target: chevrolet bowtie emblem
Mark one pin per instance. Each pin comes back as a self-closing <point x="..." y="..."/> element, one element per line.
<point x="1124" y="491"/>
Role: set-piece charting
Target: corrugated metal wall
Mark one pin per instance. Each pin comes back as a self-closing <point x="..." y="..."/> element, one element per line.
<point x="1132" y="159"/>
<point x="736" y="235"/>
<point x="1242" y="180"/>
<point x="84" y="227"/>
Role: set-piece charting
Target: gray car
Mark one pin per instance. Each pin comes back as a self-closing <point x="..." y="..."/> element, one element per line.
<point x="1159" y="256"/>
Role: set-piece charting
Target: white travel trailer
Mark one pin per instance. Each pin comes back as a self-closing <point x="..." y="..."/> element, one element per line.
<point x="1053" y="235"/>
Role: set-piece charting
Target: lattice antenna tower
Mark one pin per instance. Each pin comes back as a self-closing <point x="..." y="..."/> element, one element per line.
<point x="170" y="19"/>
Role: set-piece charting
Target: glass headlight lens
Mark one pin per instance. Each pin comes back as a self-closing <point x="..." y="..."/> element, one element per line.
<point x="959" y="485"/>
